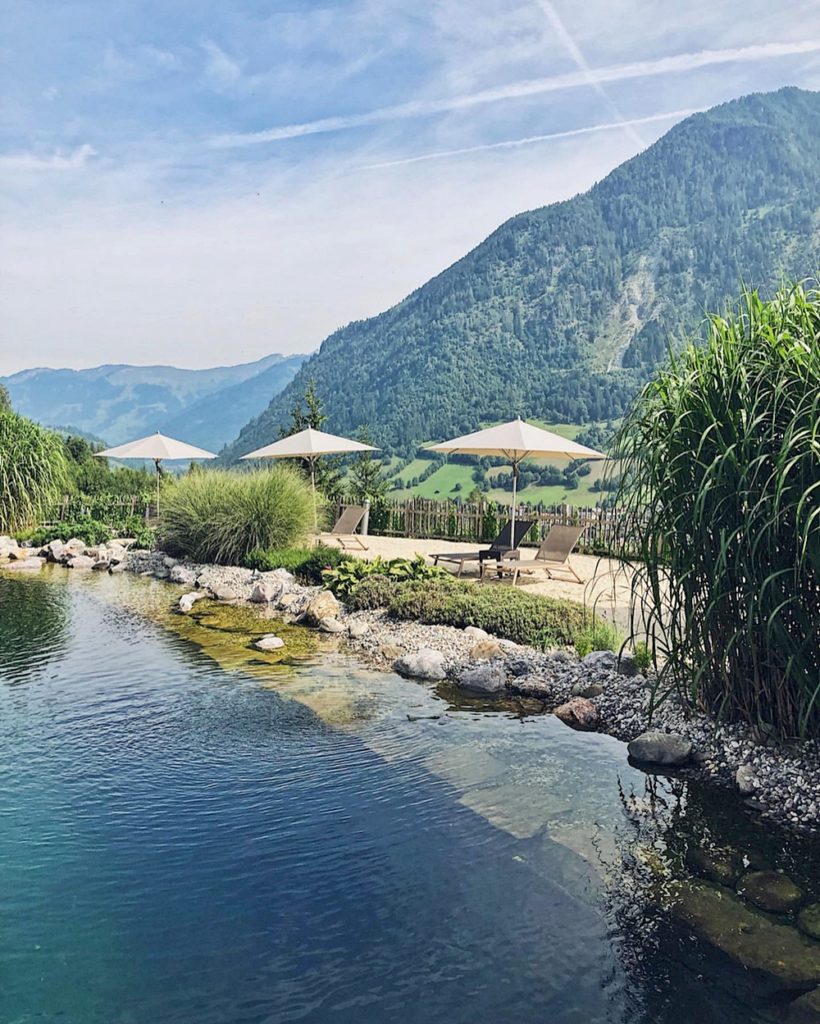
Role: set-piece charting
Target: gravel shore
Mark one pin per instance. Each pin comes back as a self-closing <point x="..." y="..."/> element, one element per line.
<point x="780" y="783"/>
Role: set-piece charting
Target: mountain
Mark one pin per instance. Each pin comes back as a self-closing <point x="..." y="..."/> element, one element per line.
<point x="563" y="310"/>
<point x="122" y="402"/>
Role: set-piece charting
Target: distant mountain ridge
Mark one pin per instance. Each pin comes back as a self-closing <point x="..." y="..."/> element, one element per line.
<point x="562" y="311"/>
<point x="119" y="402"/>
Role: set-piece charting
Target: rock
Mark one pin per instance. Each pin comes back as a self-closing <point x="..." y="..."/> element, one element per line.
<point x="323" y="606"/>
<point x="808" y="920"/>
<point x="770" y="890"/>
<point x="330" y="625"/>
<point x="587" y="689"/>
<point x="476" y="633"/>
<point x="80" y="562"/>
<point x="745" y="779"/>
<point x="532" y="686"/>
<point x="93" y="551"/>
<point x="805" y="1010"/>
<point x="626" y="664"/>
<point x="26" y="565"/>
<point x="187" y="601"/>
<point x="116" y="567"/>
<point x="424" y="664"/>
<point x="74" y="546"/>
<point x="294" y="603"/>
<point x="269" y="643"/>
<point x="714" y="866"/>
<point x="170" y="562"/>
<point x="601" y="660"/>
<point x="390" y="652"/>
<point x="518" y="666"/>
<point x="486" y="650"/>
<point x="656" y="747"/>
<point x="224" y="593"/>
<point x="101" y="565"/>
<point x="182" y="574"/>
<point x="358" y="628"/>
<point x="790" y="960"/>
<point x="486" y="678"/>
<point x="54" y="550"/>
<point x="266" y="593"/>
<point x="578" y="713"/>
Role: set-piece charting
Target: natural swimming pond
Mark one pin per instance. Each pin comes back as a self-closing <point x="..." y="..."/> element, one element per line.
<point x="193" y="832"/>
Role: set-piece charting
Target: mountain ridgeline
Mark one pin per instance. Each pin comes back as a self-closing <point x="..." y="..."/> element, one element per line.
<point x="563" y="310"/>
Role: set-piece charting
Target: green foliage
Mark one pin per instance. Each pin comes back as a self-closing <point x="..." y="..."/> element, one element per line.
<point x="32" y="471"/>
<point x="328" y="469"/>
<point x="523" y="618"/>
<point x="221" y="516"/>
<point x="306" y="564"/>
<point x="597" y="635"/>
<point x="92" y="531"/>
<point x="91" y="476"/>
<point x="371" y="592"/>
<point x="5" y="400"/>
<point x="721" y="468"/>
<point x="530" y="319"/>
<point x="367" y="480"/>
<point x="643" y="657"/>
<point x="138" y="530"/>
<point x="344" y="578"/>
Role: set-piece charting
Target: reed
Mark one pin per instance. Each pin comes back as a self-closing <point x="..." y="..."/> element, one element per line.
<point x="721" y="457"/>
<point x="32" y="472"/>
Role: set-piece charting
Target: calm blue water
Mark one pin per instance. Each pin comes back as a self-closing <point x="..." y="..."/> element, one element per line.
<point x="184" y="843"/>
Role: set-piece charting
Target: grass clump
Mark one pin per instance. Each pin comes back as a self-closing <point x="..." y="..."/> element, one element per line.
<point x="32" y="472"/>
<point x="306" y="564"/>
<point x="720" y="462"/>
<point x="221" y="516"/>
<point x="511" y="614"/>
<point x="597" y="635"/>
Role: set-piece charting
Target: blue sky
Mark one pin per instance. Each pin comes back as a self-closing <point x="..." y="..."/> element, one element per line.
<point x="201" y="184"/>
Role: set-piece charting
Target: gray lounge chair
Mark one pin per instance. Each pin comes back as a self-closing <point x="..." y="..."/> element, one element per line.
<point x="344" y="529"/>
<point x="504" y="545"/>
<point x="553" y="555"/>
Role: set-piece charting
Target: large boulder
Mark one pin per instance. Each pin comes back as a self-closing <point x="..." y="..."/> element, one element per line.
<point x="25" y="565"/>
<point x="54" y="550"/>
<point x="486" y="678"/>
<point x="713" y="865"/>
<point x="323" y="606"/>
<point x="808" y="920"/>
<point x="74" y="546"/>
<point x="266" y="593"/>
<point x="269" y="643"/>
<point x="805" y="1010"/>
<point x="424" y="664"/>
<point x="330" y="625"/>
<point x="223" y="592"/>
<point x="656" y="747"/>
<point x="578" y="713"/>
<point x="182" y="574"/>
<point x="601" y="660"/>
<point x="770" y="890"/>
<point x="81" y="562"/>
<point x="475" y="633"/>
<point x="101" y="565"/>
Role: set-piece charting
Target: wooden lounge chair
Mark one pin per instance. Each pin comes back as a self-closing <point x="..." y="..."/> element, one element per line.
<point x="344" y="529"/>
<point x="551" y="556"/>
<point x="504" y="545"/>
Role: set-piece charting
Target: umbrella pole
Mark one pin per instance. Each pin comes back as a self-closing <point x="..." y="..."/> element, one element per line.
<point x="515" y="481"/>
<point x="313" y="488"/>
<point x="156" y="463"/>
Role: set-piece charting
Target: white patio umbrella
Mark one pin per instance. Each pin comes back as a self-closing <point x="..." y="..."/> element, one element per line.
<point x="516" y="441"/>
<point x="157" y="447"/>
<point x="310" y="445"/>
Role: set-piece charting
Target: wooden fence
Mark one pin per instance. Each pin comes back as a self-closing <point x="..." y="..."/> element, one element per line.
<point x="103" y="507"/>
<point x="605" y="530"/>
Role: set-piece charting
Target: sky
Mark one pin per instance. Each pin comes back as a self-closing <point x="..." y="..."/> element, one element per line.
<point x="204" y="184"/>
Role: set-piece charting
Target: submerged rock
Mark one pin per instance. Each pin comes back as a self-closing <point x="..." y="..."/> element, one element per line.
<point x="424" y="664"/>
<point x="770" y="890"/>
<point x="805" y="1010"/>
<point x="656" y="747"/>
<point x="323" y="606"/>
<point x="486" y="678"/>
<point x="187" y="601"/>
<point x="269" y="643"/>
<point x="808" y="920"/>
<point x="714" y="866"/>
<point x="578" y="713"/>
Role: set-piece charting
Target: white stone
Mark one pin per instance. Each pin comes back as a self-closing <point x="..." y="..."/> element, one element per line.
<point x="269" y="643"/>
<point x="187" y="601"/>
<point x="424" y="664"/>
<point x="80" y="562"/>
<point x="266" y="593"/>
<point x="476" y="633"/>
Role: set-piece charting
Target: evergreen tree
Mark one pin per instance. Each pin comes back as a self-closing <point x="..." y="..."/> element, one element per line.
<point x="367" y="480"/>
<point x="329" y="467"/>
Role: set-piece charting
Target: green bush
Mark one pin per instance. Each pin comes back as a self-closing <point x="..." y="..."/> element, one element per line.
<point x="222" y="515"/>
<point x="643" y="657"/>
<point x="370" y="593"/>
<point x="523" y="618"/>
<point x="306" y="564"/>
<point x="720" y="463"/>
<point x="597" y="635"/>
<point x="32" y="472"/>
<point x="350" y="572"/>
<point x="136" y="528"/>
<point x="92" y="531"/>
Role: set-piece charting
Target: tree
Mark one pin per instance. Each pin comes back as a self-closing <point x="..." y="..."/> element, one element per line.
<point x="5" y="399"/>
<point x="367" y="480"/>
<point x="328" y="469"/>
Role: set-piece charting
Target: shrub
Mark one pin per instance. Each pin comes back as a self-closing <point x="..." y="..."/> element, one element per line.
<point x="307" y="564"/>
<point x="372" y="592"/>
<point x="137" y="528"/>
<point x="342" y="580"/>
<point x="523" y="618"/>
<point x="643" y="657"/>
<point x="32" y="471"/>
<point x="92" y="531"/>
<point x="720" y="460"/>
<point x="597" y="635"/>
<point x="221" y="516"/>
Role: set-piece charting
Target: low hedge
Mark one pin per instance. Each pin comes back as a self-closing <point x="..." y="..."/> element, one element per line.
<point x="306" y="564"/>
<point x="523" y="618"/>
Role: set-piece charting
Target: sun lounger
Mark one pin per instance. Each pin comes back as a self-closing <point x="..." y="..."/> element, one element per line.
<point x="344" y="530"/>
<point x="551" y="556"/>
<point x="504" y="545"/>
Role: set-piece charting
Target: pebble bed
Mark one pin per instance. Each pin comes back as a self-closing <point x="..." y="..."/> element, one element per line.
<point x="780" y="783"/>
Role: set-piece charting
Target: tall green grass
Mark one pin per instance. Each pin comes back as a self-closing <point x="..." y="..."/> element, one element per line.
<point x="222" y="515"/>
<point x="32" y="471"/>
<point x="721" y="464"/>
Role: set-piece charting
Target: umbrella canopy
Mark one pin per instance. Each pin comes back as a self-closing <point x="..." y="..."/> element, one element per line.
<point x="515" y="441"/>
<point x="310" y="444"/>
<point x="157" y="447"/>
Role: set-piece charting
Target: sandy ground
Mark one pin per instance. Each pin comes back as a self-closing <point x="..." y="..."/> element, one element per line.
<point x="606" y="585"/>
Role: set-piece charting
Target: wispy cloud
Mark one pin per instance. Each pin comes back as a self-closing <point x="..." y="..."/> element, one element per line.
<point x="220" y="67"/>
<point x="672" y="115"/>
<point x="574" y="51"/>
<point x="676" y="64"/>
<point x="58" y="161"/>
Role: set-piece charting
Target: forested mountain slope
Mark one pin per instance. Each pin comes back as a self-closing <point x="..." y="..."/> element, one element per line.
<point x="561" y="311"/>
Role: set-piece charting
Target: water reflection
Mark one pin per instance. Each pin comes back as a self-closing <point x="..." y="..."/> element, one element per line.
<point x="33" y="626"/>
